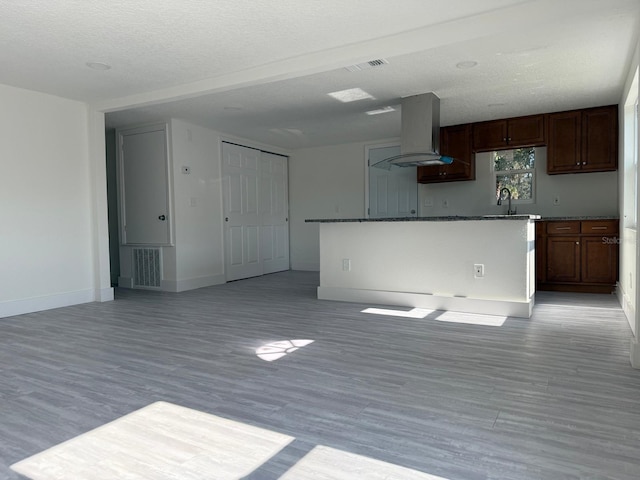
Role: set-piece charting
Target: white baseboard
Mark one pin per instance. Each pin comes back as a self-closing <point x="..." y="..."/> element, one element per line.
<point x="432" y="302"/>
<point x="627" y="306"/>
<point x="192" y="283"/>
<point x="38" y="304"/>
<point x="306" y="266"/>
<point x="104" y="294"/>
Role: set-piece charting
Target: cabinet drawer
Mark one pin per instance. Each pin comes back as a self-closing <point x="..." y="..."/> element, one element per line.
<point x="563" y="227"/>
<point x="599" y="226"/>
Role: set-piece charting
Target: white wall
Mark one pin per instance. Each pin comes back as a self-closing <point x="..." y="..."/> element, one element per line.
<point x="197" y="206"/>
<point x="47" y="203"/>
<point x="629" y="252"/>
<point x="329" y="182"/>
<point x="430" y="264"/>
<point x="324" y="182"/>
<point x="580" y="194"/>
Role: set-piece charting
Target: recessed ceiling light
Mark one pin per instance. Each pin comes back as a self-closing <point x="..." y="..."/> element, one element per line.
<point x="351" y="95"/>
<point x="98" y="65"/>
<point x="466" y="64"/>
<point x="380" y="110"/>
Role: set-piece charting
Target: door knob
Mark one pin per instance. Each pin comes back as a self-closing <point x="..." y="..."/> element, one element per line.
<point x="226" y="219"/>
<point x="162" y="217"/>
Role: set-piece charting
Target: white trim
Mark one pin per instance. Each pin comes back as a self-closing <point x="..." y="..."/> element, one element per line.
<point x="627" y="305"/>
<point x="38" y="304"/>
<point x="192" y="283"/>
<point x="433" y="302"/>
<point x="104" y="294"/>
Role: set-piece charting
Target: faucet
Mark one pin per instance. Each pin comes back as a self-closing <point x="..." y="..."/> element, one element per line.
<point x="500" y="197"/>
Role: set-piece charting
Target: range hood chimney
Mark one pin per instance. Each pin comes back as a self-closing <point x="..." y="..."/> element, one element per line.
<point x="420" y="134"/>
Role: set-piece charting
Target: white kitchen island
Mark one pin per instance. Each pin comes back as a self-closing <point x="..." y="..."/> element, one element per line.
<point x="430" y="263"/>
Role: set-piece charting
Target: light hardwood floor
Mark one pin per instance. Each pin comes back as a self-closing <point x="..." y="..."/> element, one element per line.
<point x="551" y="397"/>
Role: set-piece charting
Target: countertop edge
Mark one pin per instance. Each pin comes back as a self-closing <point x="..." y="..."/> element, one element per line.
<point x="425" y="219"/>
<point x="458" y="218"/>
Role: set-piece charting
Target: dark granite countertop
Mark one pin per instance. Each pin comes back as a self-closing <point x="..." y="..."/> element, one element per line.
<point x="455" y="218"/>
<point x="579" y="217"/>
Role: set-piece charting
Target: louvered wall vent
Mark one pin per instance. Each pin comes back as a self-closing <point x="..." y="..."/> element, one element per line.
<point x="370" y="64"/>
<point x="147" y="271"/>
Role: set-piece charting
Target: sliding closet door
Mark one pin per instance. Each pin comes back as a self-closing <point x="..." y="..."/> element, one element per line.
<point x="256" y="210"/>
<point x="274" y="213"/>
<point x="240" y="175"/>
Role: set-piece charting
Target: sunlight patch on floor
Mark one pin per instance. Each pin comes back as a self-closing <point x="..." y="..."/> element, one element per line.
<point x="275" y="350"/>
<point x="415" y="313"/>
<point x="328" y="463"/>
<point x="472" y="319"/>
<point x="163" y="441"/>
<point x="446" y="316"/>
<point x="160" y="441"/>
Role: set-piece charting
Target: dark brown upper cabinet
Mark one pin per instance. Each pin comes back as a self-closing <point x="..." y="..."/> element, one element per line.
<point x="583" y="140"/>
<point x="516" y="132"/>
<point x="455" y="141"/>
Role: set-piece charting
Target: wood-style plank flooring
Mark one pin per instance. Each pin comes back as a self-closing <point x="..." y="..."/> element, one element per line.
<point x="551" y="397"/>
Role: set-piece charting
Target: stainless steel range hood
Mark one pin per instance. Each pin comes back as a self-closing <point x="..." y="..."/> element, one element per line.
<point x="420" y="134"/>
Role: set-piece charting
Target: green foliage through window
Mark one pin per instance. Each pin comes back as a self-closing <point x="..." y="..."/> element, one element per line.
<point x="514" y="169"/>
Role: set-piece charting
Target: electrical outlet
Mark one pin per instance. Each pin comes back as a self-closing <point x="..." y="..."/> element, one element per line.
<point x="428" y="202"/>
<point x="346" y="264"/>
<point x="556" y="200"/>
<point x="478" y="270"/>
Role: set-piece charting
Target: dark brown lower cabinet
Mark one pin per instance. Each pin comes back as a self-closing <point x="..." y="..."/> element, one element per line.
<point x="577" y="256"/>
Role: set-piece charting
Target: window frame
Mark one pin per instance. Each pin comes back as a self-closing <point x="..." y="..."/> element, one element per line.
<point x="495" y="173"/>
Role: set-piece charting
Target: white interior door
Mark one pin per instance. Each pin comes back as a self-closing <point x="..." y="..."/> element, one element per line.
<point x="144" y="186"/>
<point x="392" y="193"/>
<point x="274" y="213"/>
<point x="240" y="172"/>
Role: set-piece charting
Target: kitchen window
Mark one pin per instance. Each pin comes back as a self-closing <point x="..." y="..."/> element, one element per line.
<point x="515" y="170"/>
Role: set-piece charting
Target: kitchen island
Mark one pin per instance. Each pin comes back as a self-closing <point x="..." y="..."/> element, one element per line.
<point x="482" y="264"/>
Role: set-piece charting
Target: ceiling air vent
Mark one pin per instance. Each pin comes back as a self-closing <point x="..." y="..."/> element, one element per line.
<point x="370" y="64"/>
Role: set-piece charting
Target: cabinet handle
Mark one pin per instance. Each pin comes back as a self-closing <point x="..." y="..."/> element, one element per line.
<point x="577" y="163"/>
<point x="504" y="139"/>
<point x="577" y="243"/>
<point x="563" y="228"/>
<point x="598" y="228"/>
<point x="584" y="163"/>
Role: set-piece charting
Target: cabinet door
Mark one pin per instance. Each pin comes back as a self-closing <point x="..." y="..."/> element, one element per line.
<point x="541" y="253"/>
<point x="564" y="145"/>
<point x="455" y="141"/>
<point x="489" y="136"/>
<point x="563" y="259"/>
<point x="430" y="174"/>
<point x="526" y="131"/>
<point x="599" y="260"/>
<point x="599" y="139"/>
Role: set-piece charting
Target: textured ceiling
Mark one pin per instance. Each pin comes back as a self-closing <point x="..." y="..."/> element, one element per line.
<point x="261" y="69"/>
